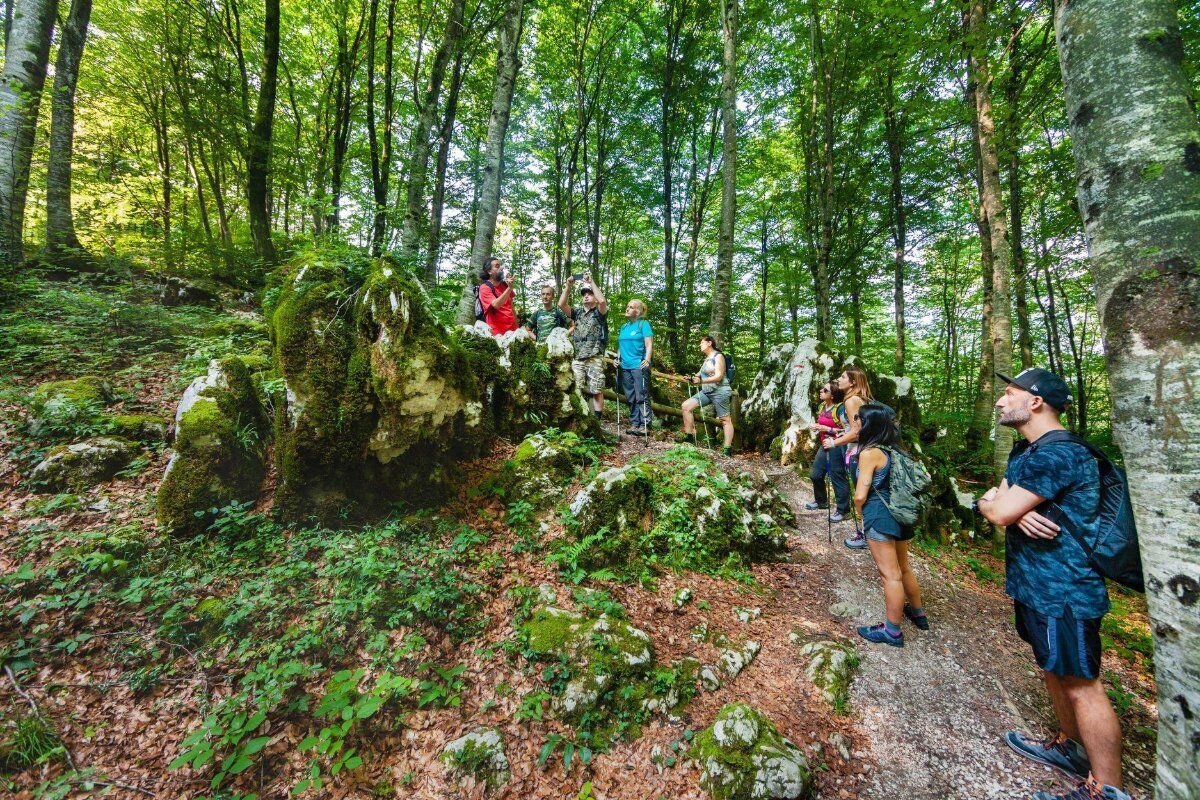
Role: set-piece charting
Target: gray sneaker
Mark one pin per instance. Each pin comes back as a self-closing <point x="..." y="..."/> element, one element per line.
<point x="813" y="507"/>
<point x="1063" y="754"/>
<point x="856" y="542"/>
<point x="836" y="516"/>
<point x="1087" y="790"/>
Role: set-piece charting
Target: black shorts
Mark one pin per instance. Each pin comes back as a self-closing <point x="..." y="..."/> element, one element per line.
<point x="1063" y="646"/>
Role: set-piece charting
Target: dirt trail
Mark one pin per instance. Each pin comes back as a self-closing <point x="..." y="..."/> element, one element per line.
<point x="929" y="719"/>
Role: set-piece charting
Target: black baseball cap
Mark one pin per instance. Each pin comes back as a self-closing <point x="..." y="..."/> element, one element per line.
<point x="586" y="290"/>
<point x="1044" y="383"/>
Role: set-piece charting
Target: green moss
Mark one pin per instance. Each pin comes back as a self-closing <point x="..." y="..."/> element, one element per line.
<point x="147" y="428"/>
<point x="743" y="756"/>
<point x="60" y="408"/>
<point x="479" y="754"/>
<point x="831" y="668"/>
<point x="219" y="452"/>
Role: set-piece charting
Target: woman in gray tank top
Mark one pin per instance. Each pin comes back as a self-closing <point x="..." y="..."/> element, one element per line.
<point x="715" y="391"/>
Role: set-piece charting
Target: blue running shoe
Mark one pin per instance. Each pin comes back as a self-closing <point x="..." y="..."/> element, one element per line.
<point x="879" y="635"/>
<point x="1090" y="789"/>
<point x="856" y="542"/>
<point x="1063" y="754"/>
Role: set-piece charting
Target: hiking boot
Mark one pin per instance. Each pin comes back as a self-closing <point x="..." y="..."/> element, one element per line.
<point x="634" y="432"/>
<point x="879" y="635"/>
<point x="1089" y="789"/>
<point x="814" y="507"/>
<point x="727" y="451"/>
<point x="920" y="620"/>
<point x="685" y="438"/>
<point x="1065" y="755"/>
<point x="856" y="542"/>
<point x="836" y="516"/>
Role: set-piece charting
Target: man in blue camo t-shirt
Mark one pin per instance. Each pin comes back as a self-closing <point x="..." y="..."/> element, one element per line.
<point x="1049" y="502"/>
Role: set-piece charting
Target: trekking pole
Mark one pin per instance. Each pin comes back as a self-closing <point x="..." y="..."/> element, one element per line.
<point x="620" y="389"/>
<point x="645" y="406"/>
<point x="828" y="493"/>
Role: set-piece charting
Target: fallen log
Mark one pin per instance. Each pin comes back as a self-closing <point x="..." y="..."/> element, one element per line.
<point x="666" y="411"/>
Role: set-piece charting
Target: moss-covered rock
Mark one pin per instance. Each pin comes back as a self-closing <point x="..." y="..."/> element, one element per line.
<point x="145" y="428"/>
<point x="831" y="667"/>
<point x="80" y="466"/>
<point x="382" y="400"/>
<point x="542" y="466"/>
<point x="61" y="408"/>
<point x="220" y="444"/>
<point x="676" y="509"/>
<point x="479" y="754"/>
<point x="742" y="756"/>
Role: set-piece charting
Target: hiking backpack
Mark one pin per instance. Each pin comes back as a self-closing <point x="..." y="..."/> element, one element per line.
<point x="730" y="369"/>
<point x="1115" y="552"/>
<point x="480" y="312"/>
<point x="910" y="486"/>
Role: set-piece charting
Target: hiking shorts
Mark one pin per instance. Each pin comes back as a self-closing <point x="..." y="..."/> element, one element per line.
<point x="875" y="535"/>
<point x="718" y="398"/>
<point x="1063" y="646"/>
<point x="589" y="374"/>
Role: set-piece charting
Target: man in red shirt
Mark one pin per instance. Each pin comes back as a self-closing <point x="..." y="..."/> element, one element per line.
<point x="496" y="297"/>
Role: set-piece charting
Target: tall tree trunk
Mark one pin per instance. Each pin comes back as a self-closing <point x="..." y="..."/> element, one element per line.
<point x="445" y="136"/>
<point x="380" y="146"/>
<point x="1137" y="150"/>
<point x="258" y="144"/>
<point x="894" y="133"/>
<point x="993" y="205"/>
<point x="982" y="410"/>
<point x="762" y="297"/>
<point x="1012" y="94"/>
<point x="821" y="277"/>
<point x="718" y="325"/>
<point x="62" y="243"/>
<point x="418" y="151"/>
<point x="26" y="55"/>
<point x="507" y="65"/>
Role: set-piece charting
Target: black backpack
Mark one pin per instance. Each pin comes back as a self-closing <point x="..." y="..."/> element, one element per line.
<point x="1115" y="552"/>
<point x="480" y="311"/>
<point x="730" y="368"/>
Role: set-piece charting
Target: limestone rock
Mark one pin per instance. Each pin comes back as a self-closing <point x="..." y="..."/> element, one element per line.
<point x="145" y="428"/>
<point x="709" y="679"/>
<point x="742" y="756"/>
<point x="220" y="441"/>
<point x="57" y="408"/>
<point x="542" y="466"/>
<point x="82" y="465"/>
<point x="831" y="667"/>
<point x="383" y="400"/>
<point x="735" y="658"/>
<point x="479" y="754"/>
<point x="175" y="291"/>
<point x="674" y="509"/>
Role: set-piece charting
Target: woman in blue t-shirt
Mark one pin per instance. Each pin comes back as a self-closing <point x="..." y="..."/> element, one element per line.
<point x="879" y="438"/>
<point x="635" y="344"/>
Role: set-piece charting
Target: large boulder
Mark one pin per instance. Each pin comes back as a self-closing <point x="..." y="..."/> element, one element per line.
<point x="382" y="400"/>
<point x="782" y="403"/>
<point x="221" y="432"/>
<point x="831" y="667"/>
<point x="78" y="467"/>
<point x="542" y="466"/>
<point x="60" y="408"/>
<point x="677" y="509"/>
<point x="742" y="756"/>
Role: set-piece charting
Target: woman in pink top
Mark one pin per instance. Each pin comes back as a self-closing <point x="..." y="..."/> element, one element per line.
<point x="829" y="462"/>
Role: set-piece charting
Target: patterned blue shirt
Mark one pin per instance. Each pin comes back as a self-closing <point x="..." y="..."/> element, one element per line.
<point x="1050" y="575"/>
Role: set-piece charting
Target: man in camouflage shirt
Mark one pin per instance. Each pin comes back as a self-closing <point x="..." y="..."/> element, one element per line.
<point x="590" y="336"/>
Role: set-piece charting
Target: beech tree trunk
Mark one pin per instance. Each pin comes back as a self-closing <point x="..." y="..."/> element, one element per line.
<point x="991" y="199"/>
<point x="507" y="65"/>
<point x="62" y="244"/>
<point x="419" y="144"/>
<point x="25" y="60"/>
<point x="893" y="120"/>
<point x="258" y="146"/>
<point x="718" y="325"/>
<point x="1137" y="151"/>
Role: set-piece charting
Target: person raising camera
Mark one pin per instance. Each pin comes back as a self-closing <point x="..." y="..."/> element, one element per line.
<point x="496" y="296"/>
<point x="590" y="336"/>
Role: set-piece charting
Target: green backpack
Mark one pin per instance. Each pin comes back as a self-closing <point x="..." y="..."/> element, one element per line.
<point x="910" y="487"/>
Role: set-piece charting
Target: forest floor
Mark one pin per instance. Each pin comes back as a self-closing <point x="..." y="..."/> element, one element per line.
<point x="96" y="650"/>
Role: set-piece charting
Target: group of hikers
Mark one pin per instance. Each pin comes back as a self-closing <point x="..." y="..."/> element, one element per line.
<point x="1049" y="503"/>
<point x="587" y="326"/>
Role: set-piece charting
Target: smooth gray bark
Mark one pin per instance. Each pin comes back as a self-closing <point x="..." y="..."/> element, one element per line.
<point x="718" y="325"/>
<point x="258" y="146"/>
<point x="1137" y="151"/>
<point x="62" y="244"/>
<point x="25" y="60"/>
<point x="507" y="65"/>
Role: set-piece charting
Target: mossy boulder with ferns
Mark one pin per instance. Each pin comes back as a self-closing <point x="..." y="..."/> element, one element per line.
<point x="742" y="756"/>
<point x="382" y="400"/>
<point x="221" y="433"/>
<point x="676" y="509"/>
<point x="58" y="409"/>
